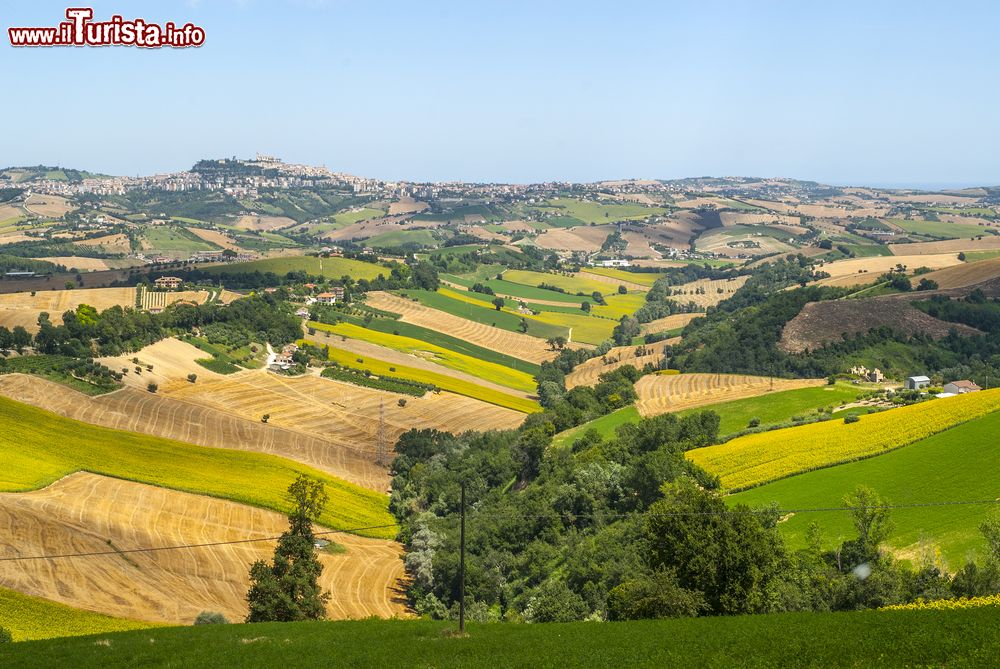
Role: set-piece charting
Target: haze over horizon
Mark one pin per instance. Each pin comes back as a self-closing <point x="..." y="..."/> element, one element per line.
<point x="886" y="95"/>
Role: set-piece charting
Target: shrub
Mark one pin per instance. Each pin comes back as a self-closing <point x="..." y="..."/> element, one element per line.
<point x="192" y="377"/>
<point x="754" y="422"/>
<point x="851" y="418"/>
<point x="5" y="636"/>
<point x="152" y="387"/>
<point x="210" y="618"/>
<point x="402" y="402"/>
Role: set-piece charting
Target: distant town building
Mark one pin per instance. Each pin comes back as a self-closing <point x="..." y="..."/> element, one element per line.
<point x="961" y="387"/>
<point x="617" y="262"/>
<point x="917" y="382"/>
<point x="168" y="282"/>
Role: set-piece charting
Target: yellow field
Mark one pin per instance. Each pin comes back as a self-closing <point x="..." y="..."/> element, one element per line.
<point x="587" y="373"/>
<point x="631" y="280"/>
<point x="195" y="423"/>
<point x="23" y="308"/>
<point x="442" y="381"/>
<point x="758" y="458"/>
<point x="619" y="305"/>
<point x="479" y="368"/>
<point x="585" y="329"/>
<point x="664" y="393"/>
<point x="89" y="513"/>
<point x="514" y="344"/>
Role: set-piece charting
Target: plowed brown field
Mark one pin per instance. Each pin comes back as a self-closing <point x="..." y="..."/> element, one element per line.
<point x="662" y="393"/>
<point x="515" y="344"/>
<point x="88" y="513"/>
<point x="966" y="274"/>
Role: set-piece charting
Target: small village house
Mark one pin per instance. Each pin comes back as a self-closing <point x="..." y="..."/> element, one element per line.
<point x="335" y="295"/>
<point x="961" y="387"/>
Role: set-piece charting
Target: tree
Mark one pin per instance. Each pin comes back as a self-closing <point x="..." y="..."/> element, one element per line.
<point x="523" y="325"/>
<point x="622" y="290"/>
<point x="871" y="520"/>
<point x="927" y="284"/>
<point x="961" y="256"/>
<point x="152" y="387"/>
<point x="991" y="532"/>
<point x="288" y="589"/>
<point x="655" y="596"/>
<point x="498" y="303"/>
<point x="585" y="307"/>
<point x="192" y="377"/>
<point x="266" y="417"/>
<point x="69" y="285"/>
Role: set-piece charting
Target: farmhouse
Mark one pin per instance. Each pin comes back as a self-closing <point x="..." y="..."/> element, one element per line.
<point x="961" y="387"/>
<point x="917" y="382"/>
<point x="336" y="294"/>
<point x="168" y="282"/>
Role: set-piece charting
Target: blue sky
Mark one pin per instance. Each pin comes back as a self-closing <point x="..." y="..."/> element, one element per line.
<point x="870" y="92"/>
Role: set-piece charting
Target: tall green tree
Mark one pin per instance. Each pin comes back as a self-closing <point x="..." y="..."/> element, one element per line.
<point x="288" y="588"/>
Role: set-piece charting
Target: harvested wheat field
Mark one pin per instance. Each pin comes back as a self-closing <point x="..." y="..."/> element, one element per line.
<point x="407" y="205"/>
<point x="23" y="308"/>
<point x="341" y="412"/>
<point x="85" y="512"/>
<point x="966" y="274"/>
<point x="515" y="344"/>
<point x="587" y="239"/>
<point x="987" y="243"/>
<point x="707" y="292"/>
<point x="858" y="271"/>
<point x="662" y="393"/>
<point x="118" y="243"/>
<point x="263" y="223"/>
<point x="49" y="206"/>
<point x="192" y="422"/>
<point x="84" y="264"/>
<point x="638" y="245"/>
<point x="172" y="361"/>
<point x="668" y="323"/>
<point x="730" y="218"/>
<point x="820" y="323"/>
<point x="216" y="237"/>
<point x="587" y="373"/>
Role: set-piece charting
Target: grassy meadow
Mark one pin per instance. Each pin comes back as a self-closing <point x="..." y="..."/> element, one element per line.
<point x="331" y="268"/>
<point x="928" y="638"/>
<point x="571" y="284"/>
<point x="32" y="618"/>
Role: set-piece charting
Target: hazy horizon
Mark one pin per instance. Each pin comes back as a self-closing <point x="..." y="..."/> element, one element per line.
<point x="525" y="92"/>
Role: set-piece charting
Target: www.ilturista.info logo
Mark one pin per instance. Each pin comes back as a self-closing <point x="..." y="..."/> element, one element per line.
<point x="80" y="30"/>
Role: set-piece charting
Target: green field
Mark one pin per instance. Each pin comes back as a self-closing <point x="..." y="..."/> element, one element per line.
<point x="619" y="305"/>
<point x="643" y="278"/>
<point x="32" y="618"/>
<point x="938" y="229"/>
<point x="519" y="290"/>
<point x="867" y="250"/>
<point x="582" y="328"/>
<point x="976" y="256"/>
<point x="346" y="218"/>
<point x="39" y="447"/>
<point x="960" y="638"/>
<point x="483" y="369"/>
<point x="442" y="381"/>
<point x="400" y="237"/>
<point x="958" y="464"/>
<point x="605" y="426"/>
<point x="571" y="284"/>
<point x="965" y="211"/>
<point x="165" y="238"/>
<point x="461" y="304"/>
<point x="595" y="212"/>
<point x="331" y="268"/>
<point x="734" y="416"/>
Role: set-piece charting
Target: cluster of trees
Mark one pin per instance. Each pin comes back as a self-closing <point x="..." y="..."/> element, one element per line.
<point x="119" y="330"/>
<point x="627" y="528"/>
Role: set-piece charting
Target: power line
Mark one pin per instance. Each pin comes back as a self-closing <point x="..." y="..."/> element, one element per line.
<point x="183" y="546"/>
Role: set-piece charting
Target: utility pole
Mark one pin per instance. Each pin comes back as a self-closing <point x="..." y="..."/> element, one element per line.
<point x="461" y="569"/>
<point x="381" y="439"/>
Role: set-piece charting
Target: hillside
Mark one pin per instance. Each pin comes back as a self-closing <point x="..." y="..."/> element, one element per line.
<point x="961" y="638"/>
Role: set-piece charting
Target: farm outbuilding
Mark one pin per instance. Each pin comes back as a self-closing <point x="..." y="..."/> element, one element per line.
<point x="917" y="382"/>
<point x="961" y="387"/>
